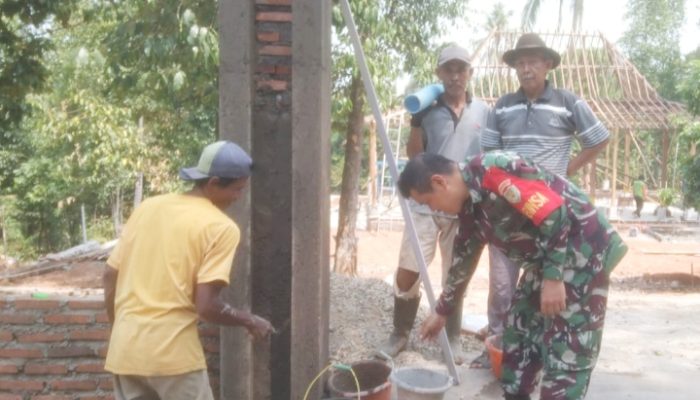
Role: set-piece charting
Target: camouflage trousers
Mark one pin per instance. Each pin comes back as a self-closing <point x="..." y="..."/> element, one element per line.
<point x="563" y="349"/>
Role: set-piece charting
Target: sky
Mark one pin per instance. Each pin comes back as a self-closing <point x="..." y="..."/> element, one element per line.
<point x="605" y="16"/>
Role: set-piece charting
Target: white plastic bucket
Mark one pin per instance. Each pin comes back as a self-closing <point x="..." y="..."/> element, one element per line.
<point x="414" y="383"/>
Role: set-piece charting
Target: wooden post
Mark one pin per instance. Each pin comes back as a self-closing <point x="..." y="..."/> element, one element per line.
<point x="613" y="182"/>
<point x="372" y="159"/>
<point x="665" y="146"/>
<point x="627" y="158"/>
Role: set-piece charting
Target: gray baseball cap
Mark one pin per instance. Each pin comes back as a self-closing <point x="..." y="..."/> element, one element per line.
<point x="454" y="52"/>
<point x="222" y="159"/>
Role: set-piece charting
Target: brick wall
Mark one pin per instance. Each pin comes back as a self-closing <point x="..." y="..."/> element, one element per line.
<point x="274" y="39"/>
<point x="54" y="349"/>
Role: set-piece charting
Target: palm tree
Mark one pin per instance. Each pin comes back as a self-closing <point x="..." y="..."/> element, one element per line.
<point x="532" y="8"/>
<point x="498" y="19"/>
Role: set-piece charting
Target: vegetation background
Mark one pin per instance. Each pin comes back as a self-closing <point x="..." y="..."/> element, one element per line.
<point x="101" y="101"/>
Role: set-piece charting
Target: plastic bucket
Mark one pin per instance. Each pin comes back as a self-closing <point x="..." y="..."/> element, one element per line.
<point x="372" y="375"/>
<point x="494" y="346"/>
<point x="414" y="383"/>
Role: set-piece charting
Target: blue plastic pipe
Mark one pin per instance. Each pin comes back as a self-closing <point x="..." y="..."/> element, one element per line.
<point x="421" y="99"/>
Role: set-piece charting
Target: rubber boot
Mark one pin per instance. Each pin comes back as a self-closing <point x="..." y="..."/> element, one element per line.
<point x="454" y="330"/>
<point x="404" y="314"/>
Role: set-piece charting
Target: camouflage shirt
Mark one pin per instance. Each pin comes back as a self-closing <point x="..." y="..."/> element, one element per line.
<point x="536" y="218"/>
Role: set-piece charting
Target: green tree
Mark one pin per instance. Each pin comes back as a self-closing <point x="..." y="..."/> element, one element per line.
<point x="498" y="18"/>
<point x="689" y="90"/>
<point x="25" y="30"/>
<point x="397" y="37"/>
<point x="652" y="41"/>
<point x="532" y="9"/>
<point x="162" y="57"/>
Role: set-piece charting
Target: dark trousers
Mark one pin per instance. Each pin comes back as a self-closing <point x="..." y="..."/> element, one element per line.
<point x="640" y="205"/>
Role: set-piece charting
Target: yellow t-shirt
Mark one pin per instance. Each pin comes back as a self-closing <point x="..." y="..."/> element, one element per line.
<point x="169" y="244"/>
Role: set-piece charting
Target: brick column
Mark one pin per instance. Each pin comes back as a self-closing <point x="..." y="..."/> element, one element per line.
<point x="275" y="102"/>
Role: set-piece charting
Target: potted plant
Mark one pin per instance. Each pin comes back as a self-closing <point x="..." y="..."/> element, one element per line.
<point x="666" y="197"/>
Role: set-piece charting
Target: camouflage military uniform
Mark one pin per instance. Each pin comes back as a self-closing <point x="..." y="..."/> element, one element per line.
<point x="549" y="227"/>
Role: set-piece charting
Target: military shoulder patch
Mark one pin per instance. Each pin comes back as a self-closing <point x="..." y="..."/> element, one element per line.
<point x="532" y="198"/>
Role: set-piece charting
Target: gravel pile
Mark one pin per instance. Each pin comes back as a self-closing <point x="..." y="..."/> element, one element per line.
<point x="361" y="320"/>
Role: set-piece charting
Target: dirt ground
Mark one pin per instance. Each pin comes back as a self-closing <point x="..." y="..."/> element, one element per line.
<point x="651" y="347"/>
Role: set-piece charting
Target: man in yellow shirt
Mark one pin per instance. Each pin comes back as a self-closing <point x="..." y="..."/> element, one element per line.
<point x="173" y="259"/>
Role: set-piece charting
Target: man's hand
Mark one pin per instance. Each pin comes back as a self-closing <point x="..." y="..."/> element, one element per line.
<point x="431" y="327"/>
<point x="552" y="297"/>
<point x="259" y="327"/>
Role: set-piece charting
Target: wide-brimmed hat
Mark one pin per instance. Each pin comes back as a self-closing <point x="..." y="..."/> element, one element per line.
<point x="529" y="42"/>
<point x="223" y="159"/>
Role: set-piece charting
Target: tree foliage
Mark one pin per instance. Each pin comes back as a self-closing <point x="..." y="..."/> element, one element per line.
<point x="25" y="29"/>
<point x="532" y="9"/>
<point x="131" y="88"/>
<point x="652" y="41"/>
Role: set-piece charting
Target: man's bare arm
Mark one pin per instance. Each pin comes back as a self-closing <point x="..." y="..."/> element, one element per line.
<point x="109" y="282"/>
<point x="415" y="142"/>
<point x="584" y="157"/>
<point x="211" y="308"/>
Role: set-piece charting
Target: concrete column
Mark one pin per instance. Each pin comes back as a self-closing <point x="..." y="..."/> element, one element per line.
<point x="236" y="68"/>
<point x="275" y="102"/>
<point x="311" y="105"/>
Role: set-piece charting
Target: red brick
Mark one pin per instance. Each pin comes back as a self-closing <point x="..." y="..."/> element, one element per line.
<point x="52" y="397"/>
<point x="94" y="368"/>
<point x="14" y="384"/>
<point x="70" y="352"/>
<point x="283" y="69"/>
<point x="74" y="385"/>
<point x="41" y="337"/>
<point x="102" y="351"/>
<point x="274" y="2"/>
<point x="45" y="369"/>
<point x="275" y="85"/>
<point x="21" y="353"/>
<point x="34" y="304"/>
<point x="17" y="319"/>
<point x="274" y="16"/>
<point x="86" y="304"/>
<point x="268" y="36"/>
<point x="6" y="336"/>
<point x="90" y="334"/>
<point x="265" y="69"/>
<point x="102" y="318"/>
<point x="106" y="384"/>
<point x="10" y="397"/>
<point x="8" y="369"/>
<point x="272" y="50"/>
<point x="61" y="319"/>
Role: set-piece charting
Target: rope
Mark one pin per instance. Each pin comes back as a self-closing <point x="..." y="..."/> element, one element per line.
<point x="337" y="366"/>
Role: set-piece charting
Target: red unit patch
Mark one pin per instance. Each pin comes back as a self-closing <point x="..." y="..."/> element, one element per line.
<point x="533" y="199"/>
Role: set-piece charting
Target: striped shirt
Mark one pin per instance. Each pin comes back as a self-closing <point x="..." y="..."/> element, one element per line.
<point x="543" y="130"/>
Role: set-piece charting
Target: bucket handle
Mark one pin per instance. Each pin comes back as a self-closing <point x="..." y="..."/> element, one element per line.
<point x="337" y="366"/>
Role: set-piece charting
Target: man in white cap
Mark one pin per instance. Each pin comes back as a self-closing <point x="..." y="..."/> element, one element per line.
<point x="539" y="122"/>
<point x="173" y="259"/>
<point x="452" y="128"/>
